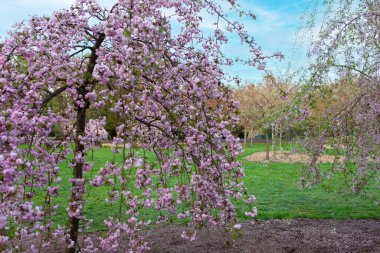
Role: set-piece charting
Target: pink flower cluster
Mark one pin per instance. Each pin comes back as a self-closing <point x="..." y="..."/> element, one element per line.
<point x="95" y="133"/>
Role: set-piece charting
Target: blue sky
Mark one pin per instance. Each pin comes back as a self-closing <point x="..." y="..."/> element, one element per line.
<point x="275" y="29"/>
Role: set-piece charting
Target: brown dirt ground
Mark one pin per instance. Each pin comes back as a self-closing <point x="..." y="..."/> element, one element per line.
<point x="294" y="235"/>
<point x="297" y="235"/>
<point x="108" y="145"/>
<point x="287" y="157"/>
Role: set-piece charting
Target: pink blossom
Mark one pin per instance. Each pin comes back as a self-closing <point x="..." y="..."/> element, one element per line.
<point x="237" y="226"/>
<point x="3" y="221"/>
<point x="253" y="213"/>
<point x="189" y="235"/>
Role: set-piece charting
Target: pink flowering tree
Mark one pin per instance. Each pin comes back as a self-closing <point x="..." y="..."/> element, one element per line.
<point x="348" y="48"/>
<point x="160" y="82"/>
<point x="95" y="131"/>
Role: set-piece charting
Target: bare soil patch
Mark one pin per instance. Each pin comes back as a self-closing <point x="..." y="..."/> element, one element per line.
<point x="288" y="157"/>
<point x="294" y="235"/>
<point x="107" y="145"/>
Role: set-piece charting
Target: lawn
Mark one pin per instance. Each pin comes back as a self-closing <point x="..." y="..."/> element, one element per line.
<point x="279" y="196"/>
<point x="275" y="186"/>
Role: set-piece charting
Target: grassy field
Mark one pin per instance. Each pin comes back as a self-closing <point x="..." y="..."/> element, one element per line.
<point x="275" y="186"/>
<point x="278" y="195"/>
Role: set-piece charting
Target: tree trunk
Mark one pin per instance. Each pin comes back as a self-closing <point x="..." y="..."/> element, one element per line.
<point x="273" y="137"/>
<point x="314" y="169"/>
<point x="267" y="145"/>
<point x="77" y="173"/>
<point x="281" y="137"/>
<point x="251" y="138"/>
<point x="245" y="138"/>
<point x="82" y="91"/>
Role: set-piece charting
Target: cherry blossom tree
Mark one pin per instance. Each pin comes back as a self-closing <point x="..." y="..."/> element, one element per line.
<point x="95" y="129"/>
<point x="348" y="48"/>
<point x="158" y="79"/>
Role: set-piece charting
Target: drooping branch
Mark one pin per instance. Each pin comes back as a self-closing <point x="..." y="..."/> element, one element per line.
<point x="54" y="94"/>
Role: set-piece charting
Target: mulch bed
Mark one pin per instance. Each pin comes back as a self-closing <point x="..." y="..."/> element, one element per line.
<point x="284" y="156"/>
<point x="294" y="235"/>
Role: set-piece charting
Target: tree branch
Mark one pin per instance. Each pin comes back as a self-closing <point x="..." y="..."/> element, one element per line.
<point x="54" y="94"/>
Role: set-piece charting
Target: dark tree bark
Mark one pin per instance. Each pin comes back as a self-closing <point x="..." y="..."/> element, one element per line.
<point x="267" y="145"/>
<point x="77" y="173"/>
<point x="86" y="87"/>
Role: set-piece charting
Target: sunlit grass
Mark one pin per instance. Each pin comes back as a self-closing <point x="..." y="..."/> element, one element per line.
<point x="275" y="186"/>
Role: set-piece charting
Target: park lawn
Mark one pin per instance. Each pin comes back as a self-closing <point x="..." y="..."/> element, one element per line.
<point x="275" y="186"/>
<point x="278" y="194"/>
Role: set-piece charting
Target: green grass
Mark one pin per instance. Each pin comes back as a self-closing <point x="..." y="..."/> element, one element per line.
<point x="275" y="186"/>
<point x="278" y="195"/>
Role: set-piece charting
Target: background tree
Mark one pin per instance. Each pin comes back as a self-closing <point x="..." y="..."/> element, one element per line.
<point x="245" y="95"/>
<point x="282" y="97"/>
<point x="261" y="107"/>
<point x="348" y="48"/>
